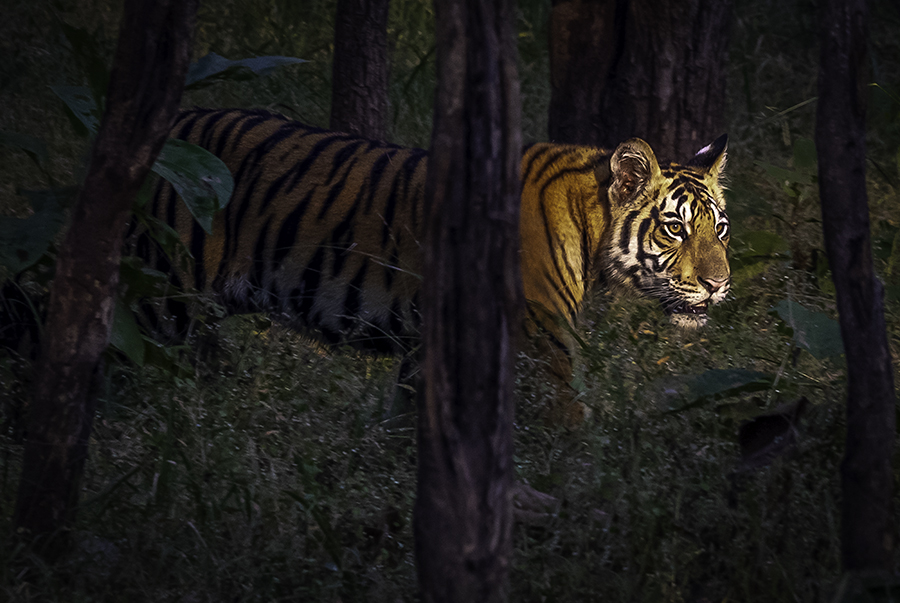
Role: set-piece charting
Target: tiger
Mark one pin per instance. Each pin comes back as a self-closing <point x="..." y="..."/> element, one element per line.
<point x="324" y="231"/>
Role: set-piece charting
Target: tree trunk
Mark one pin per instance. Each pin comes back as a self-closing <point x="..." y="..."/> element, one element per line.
<point x="472" y="306"/>
<point x="583" y="47"/>
<point x="145" y="89"/>
<point x="359" y="86"/>
<point x="867" y="532"/>
<point x="646" y="68"/>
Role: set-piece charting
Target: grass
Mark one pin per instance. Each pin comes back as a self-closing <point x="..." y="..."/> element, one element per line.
<point x="274" y="470"/>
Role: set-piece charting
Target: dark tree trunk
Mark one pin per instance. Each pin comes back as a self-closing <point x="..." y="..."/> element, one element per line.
<point x="145" y="89"/>
<point x="654" y="69"/>
<point x="583" y="47"/>
<point x="867" y="531"/>
<point x="359" y="86"/>
<point x="472" y="304"/>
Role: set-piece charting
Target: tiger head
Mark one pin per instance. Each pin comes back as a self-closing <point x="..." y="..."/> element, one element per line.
<point x="669" y="229"/>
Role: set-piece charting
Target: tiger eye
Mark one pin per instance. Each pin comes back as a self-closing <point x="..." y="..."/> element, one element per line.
<point x="675" y="228"/>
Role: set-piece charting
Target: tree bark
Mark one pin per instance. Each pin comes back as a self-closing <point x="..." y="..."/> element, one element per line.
<point x="147" y="79"/>
<point x="359" y="97"/>
<point x="867" y="532"/>
<point x="647" y="68"/>
<point x="472" y="305"/>
<point x="583" y="47"/>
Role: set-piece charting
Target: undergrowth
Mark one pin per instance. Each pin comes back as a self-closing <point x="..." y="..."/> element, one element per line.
<point x="272" y="469"/>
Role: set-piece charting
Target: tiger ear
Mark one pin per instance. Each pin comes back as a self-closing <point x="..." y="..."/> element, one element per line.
<point x="633" y="166"/>
<point x="711" y="158"/>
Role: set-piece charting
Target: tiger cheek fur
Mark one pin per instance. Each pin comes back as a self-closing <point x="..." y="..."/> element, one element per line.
<point x="324" y="232"/>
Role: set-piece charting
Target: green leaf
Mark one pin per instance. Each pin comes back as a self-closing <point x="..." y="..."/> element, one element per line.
<point x="716" y="384"/>
<point x="805" y="155"/>
<point x="720" y="383"/>
<point x="781" y="175"/>
<point x="24" y="240"/>
<point x="199" y="177"/>
<point x="31" y="146"/>
<point x="141" y="282"/>
<point x="168" y="239"/>
<point x="81" y="105"/>
<point x="213" y="68"/>
<point x="760" y="243"/>
<point x="742" y="272"/>
<point x="126" y="334"/>
<point x="813" y="331"/>
<point x="751" y="251"/>
<point x="740" y="410"/>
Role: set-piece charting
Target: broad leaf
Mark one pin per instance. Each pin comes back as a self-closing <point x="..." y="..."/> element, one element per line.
<point x="751" y="251"/>
<point x="813" y="331"/>
<point x="33" y="147"/>
<point x="716" y="384"/>
<point x="199" y="177"/>
<point x="81" y="105"/>
<point x="759" y="243"/>
<point x="213" y="68"/>
<point x="781" y="175"/>
<point x="720" y="383"/>
<point x="24" y="240"/>
<point x="169" y="241"/>
<point x="140" y="281"/>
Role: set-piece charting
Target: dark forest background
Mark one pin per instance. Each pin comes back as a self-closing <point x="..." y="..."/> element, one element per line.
<point x="273" y="469"/>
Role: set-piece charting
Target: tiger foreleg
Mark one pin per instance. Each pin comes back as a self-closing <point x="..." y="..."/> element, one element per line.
<point x="557" y="346"/>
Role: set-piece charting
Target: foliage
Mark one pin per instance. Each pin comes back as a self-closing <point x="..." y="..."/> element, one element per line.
<point x="257" y="466"/>
<point x="23" y="241"/>
<point x="200" y="178"/>
<point x="811" y="330"/>
<point x="212" y="68"/>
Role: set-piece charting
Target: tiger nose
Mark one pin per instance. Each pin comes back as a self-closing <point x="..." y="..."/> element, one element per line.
<point x="712" y="285"/>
